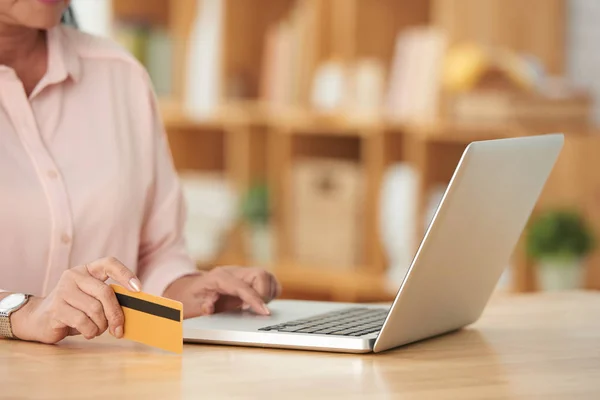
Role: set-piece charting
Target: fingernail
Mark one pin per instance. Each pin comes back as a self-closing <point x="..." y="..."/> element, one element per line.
<point x="245" y="306"/>
<point x="266" y="309"/>
<point x="119" y="332"/>
<point x="135" y="284"/>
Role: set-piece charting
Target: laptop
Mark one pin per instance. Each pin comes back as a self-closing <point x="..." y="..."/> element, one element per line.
<point x="455" y="270"/>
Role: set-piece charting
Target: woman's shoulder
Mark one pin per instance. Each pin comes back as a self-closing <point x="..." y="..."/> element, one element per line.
<point x="96" y="48"/>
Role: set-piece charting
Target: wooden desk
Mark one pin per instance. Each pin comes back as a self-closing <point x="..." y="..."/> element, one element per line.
<point x="529" y="346"/>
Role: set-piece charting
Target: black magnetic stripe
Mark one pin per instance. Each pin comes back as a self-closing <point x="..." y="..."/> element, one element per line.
<point x="148" y="307"/>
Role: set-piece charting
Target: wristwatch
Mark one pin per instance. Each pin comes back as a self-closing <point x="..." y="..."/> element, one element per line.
<point x="9" y="305"/>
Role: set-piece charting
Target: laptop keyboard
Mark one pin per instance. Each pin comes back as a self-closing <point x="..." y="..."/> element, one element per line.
<point x="345" y="322"/>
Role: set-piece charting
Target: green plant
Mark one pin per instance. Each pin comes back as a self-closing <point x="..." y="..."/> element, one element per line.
<point x="255" y="207"/>
<point x="559" y="235"/>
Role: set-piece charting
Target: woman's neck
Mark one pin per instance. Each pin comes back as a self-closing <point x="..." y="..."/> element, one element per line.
<point x="24" y="50"/>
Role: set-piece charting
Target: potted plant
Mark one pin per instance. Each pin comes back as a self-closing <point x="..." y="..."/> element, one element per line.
<point x="558" y="241"/>
<point x="256" y="213"/>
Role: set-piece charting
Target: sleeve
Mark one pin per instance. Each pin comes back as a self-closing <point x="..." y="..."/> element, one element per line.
<point x="162" y="256"/>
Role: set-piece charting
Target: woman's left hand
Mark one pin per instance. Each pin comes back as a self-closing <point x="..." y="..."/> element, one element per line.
<point x="224" y="289"/>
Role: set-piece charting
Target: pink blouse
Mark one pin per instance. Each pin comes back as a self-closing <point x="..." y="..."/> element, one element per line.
<point x="85" y="170"/>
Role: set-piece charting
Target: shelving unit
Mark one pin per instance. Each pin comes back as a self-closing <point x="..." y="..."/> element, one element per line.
<point x="248" y="139"/>
<point x="361" y="144"/>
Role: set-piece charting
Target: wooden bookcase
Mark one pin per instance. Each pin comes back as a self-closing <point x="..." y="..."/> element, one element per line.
<point x="248" y="140"/>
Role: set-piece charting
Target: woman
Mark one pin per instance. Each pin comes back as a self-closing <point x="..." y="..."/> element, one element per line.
<point x="89" y="192"/>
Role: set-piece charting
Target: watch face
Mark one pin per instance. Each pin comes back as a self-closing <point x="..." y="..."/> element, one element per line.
<point x="11" y="301"/>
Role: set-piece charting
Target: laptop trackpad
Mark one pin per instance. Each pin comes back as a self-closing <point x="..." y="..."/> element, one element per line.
<point x="281" y="311"/>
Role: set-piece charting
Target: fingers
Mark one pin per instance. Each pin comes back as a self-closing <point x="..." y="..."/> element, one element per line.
<point x="78" y="320"/>
<point x="227" y="303"/>
<point x="230" y="285"/>
<point x="197" y="309"/>
<point x="261" y="282"/>
<point x="265" y="284"/>
<point x="112" y="268"/>
<point x="103" y="294"/>
<point x="82" y="303"/>
<point x="91" y="307"/>
<point x="73" y="332"/>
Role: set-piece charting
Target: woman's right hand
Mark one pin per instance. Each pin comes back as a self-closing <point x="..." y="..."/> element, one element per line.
<point x="81" y="303"/>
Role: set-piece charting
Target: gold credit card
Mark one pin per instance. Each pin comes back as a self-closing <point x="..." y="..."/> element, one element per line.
<point x="152" y="320"/>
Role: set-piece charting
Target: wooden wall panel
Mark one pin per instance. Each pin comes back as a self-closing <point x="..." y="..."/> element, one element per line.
<point x="378" y="23"/>
<point x="534" y="26"/>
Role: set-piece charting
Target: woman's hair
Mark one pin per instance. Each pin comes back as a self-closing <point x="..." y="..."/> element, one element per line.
<point x="68" y="17"/>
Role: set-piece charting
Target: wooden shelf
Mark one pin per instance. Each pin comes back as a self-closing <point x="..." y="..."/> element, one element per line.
<point x="464" y="133"/>
<point x="448" y="131"/>
<point x="331" y="125"/>
<point x="310" y="122"/>
<point x="174" y="118"/>
<point x="247" y="138"/>
<point x="281" y="120"/>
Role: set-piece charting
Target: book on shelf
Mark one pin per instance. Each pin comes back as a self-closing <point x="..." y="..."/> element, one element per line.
<point x="415" y="74"/>
<point x="276" y="77"/>
<point x="288" y="53"/>
<point x="204" y="72"/>
<point x="304" y="27"/>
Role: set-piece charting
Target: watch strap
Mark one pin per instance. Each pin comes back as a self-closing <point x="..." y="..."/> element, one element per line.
<point x="5" y="326"/>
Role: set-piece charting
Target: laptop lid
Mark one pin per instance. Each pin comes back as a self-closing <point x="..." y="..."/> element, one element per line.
<point x="471" y="237"/>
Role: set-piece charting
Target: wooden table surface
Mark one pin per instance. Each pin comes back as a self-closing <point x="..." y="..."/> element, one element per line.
<point x="531" y="346"/>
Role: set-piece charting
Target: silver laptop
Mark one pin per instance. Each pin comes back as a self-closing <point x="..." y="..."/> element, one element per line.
<point x="455" y="270"/>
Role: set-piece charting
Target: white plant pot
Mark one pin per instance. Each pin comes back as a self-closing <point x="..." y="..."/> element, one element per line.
<point x="555" y="275"/>
<point x="259" y="243"/>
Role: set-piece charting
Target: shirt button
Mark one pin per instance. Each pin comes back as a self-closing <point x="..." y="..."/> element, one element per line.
<point x="66" y="239"/>
<point x="52" y="174"/>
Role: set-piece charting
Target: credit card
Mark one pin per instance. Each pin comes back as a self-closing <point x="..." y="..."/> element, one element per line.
<point x="152" y="320"/>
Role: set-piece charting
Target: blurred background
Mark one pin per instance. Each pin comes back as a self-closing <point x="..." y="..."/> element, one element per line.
<point x="315" y="138"/>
